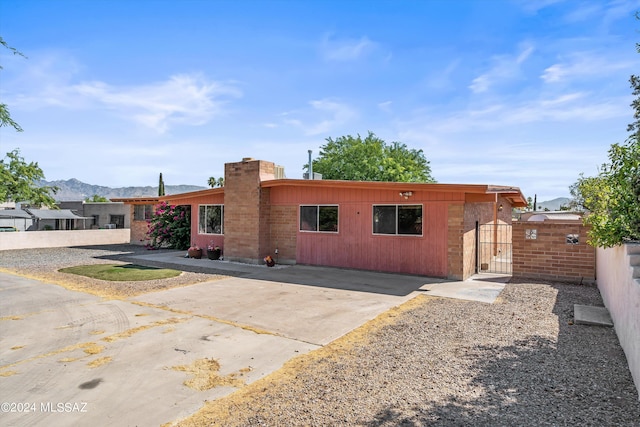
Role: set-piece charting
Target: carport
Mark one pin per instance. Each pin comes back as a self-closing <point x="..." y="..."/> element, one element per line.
<point x="57" y="219"/>
<point x="17" y="218"/>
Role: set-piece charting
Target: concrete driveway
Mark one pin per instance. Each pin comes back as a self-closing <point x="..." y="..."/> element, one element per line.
<point x="68" y="358"/>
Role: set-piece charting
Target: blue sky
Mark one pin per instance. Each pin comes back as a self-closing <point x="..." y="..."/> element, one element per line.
<point x="522" y="93"/>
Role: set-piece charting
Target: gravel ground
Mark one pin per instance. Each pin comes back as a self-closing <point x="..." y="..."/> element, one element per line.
<point x="433" y="361"/>
<point x="445" y="362"/>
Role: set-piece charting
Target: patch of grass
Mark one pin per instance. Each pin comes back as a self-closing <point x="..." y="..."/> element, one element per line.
<point x="121" y="272"/>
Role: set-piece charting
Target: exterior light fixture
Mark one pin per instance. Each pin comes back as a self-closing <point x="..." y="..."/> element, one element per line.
<point x="500" y="207"/>
<point x="406" y="194"/>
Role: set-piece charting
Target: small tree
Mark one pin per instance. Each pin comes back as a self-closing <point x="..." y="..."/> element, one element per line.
<point x="160" y="186"/>
<point x="96" y="199"/>
<point x="613" y="197"/>
<point x="5" y="116"/>
<point x="371" y="159"/>
<point x="170" y="227"/>
<point x="18" y="182"/>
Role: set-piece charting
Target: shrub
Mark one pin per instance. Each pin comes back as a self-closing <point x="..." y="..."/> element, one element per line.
<point x="170" y="227"/>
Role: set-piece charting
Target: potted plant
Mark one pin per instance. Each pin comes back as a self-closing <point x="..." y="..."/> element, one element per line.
<point x="214" y="251"/>
<point x="194" y="252"/>
<point x="269" y="261"/>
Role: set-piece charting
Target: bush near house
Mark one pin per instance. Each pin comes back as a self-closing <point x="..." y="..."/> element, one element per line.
<point x="170" y="227"/>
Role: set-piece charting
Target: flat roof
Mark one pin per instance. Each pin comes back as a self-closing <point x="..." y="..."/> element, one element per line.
<point x="513" y="194"/>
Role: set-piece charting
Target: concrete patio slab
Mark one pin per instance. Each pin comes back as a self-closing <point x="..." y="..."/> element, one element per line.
<point x="483" y="288"/>
<point x="67" y="347"/>
<point x="589" y="315"/>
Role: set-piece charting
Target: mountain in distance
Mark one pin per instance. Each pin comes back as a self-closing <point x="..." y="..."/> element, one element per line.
<point x="75" y="190"/>
<point x="554" y="205"/>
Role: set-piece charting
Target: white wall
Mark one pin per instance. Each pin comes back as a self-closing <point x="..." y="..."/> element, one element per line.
<point x="62" y="238"/>
<point x="621" y="295"/>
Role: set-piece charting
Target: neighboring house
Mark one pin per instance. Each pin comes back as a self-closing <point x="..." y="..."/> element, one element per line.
<point x="55" y="219"/>
<point x="101" y="214"/>
<point x="29" y="219"/>
<point x="18" y="218"/>
<point x="412" y="228"/>
<point x="551" y="216"/>
<point x="70" y="216"/>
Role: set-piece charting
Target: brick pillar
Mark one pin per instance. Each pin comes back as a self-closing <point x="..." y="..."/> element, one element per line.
<point x="455" y="242"/>
<point x="246" y="210"/>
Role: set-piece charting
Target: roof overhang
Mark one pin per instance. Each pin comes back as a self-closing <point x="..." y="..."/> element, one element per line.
<point x="136" y="200"/>
<point x="55" y="214"/>
<point x="473" y="192"/>
<point x="14" y="213"/>
<point x="170" y="197"/>
<point x="192" y="194"/>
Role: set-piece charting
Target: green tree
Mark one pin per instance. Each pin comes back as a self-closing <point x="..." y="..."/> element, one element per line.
<point x="18" y="182"/>
<point x="586" y="193"/>
<point x="160" y="186"/>
<point x="96" y="199"/>
<point x="5" y="116"/>
<point x="613" y="197"/>
<point x="371" y="159"/>
<point x="216" y="182"/>
<point x="18" y="179"/>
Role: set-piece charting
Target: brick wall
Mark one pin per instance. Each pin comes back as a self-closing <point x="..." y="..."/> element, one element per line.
<point x="540" y="250"/>
<point x="455" y="242"/>
<point x="265" y="227"/>
<point x="139" y="229"/>
<point x="284" y="230"/>
<point x="245" y="235"/>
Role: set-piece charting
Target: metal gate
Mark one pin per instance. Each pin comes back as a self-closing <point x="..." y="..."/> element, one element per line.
<point x="493" y="248"/>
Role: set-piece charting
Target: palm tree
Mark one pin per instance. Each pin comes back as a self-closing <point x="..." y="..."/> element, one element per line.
<point x="216" y="182"/>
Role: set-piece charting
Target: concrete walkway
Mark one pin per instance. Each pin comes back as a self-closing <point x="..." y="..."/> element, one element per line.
<point x="79" y="360"/>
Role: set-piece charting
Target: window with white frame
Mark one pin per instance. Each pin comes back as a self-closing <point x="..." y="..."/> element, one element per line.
<point x="322" y="218"/>
<point x="397" y="219"/>
<point x="211" y="219"/>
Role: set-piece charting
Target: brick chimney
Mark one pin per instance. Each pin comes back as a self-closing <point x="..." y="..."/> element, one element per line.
<point x="246" y="210"/>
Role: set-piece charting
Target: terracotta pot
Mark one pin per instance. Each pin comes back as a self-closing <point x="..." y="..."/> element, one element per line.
<point x="195" y="253"/>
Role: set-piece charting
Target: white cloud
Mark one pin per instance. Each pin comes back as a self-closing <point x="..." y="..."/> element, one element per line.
<point x="385" y="106"/>
<point x="534" y="6"/>
<point x="53" y="79"/>
<point x="442" y="79"/>
<point x="583" y="65"/>
<point x="505" y="67"/>
<point x="334" y="113"/>
<point x="183" y="99"/>
<point x="346" y="50"/>
<point x="574" y="106"/>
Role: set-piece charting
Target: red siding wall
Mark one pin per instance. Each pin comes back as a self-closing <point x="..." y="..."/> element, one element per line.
<point x="355" y="245"/>
<point x="202" y="240"/>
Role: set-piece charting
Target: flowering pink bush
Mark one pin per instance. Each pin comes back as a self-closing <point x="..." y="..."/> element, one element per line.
<point x="170" y="227"/>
